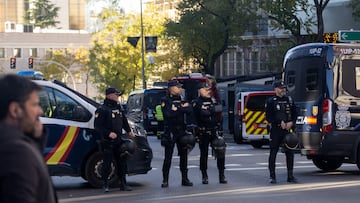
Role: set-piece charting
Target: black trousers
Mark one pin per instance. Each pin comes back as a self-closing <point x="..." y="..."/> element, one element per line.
<point x="277" y="136"/>
<point x="205" y="138"/>
<point x="169" y="150"/>
<point x="110" y="153"/>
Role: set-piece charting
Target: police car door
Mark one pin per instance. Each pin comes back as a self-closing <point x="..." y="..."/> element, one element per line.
<point x="69" y="121"/>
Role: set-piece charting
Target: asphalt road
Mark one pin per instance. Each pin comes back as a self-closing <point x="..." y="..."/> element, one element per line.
<point x="247" y="174"/>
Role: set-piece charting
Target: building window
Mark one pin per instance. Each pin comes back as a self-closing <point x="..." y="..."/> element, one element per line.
<point x="17" y="52"/>
<point x="33" y="52"/>
<point x="2" y="52"/>
<point x="231" y="68"/>
<point x="225" y="62"/>
<point x="239" y="67"/>
<point x="254" y="62"/>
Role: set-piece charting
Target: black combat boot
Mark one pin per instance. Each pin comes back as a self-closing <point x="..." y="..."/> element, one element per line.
<point x="272" y="179"/>
<point x="185" y="181"/>
<point x="205" y="179"/>
<point x="291" y="178"/>
<point x="123" y="185"/>
<point x="106" y="186"/>
<point x="165" y="182"/>
<point x="222" y="178"/>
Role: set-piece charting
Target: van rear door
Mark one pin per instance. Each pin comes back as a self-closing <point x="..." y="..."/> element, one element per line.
<point x="254" y="121"/>
<point x="305" y="84"/>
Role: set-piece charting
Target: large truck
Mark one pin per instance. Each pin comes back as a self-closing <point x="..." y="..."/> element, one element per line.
<point x="324" y="82"/>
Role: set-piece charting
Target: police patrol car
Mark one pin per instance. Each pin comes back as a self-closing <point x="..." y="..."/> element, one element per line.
<point x="72" y="146"/>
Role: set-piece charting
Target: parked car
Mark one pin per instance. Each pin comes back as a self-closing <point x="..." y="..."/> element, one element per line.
<point x="72" y="146"/>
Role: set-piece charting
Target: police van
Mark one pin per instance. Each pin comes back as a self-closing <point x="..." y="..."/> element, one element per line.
<point x="252" y="123"/>
<point x="72" y="145"/>
<point x="324" y="82"/>
<point x="141" y="106"/>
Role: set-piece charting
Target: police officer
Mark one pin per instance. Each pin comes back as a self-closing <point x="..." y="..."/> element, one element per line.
<point x="174" y="109"/>
<point x="109" y="122"/>
<point x="281" y="117"/>
<point x="206" y="109"/>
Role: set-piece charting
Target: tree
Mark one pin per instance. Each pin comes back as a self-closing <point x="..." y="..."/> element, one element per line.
<point x="355" y="5"/>
<point x="285" y="15"/>
<point x="206" y="28"/>
<point x="113" y="60"/>
<point x="43" y="14"/>
<point x="320" y="6"/>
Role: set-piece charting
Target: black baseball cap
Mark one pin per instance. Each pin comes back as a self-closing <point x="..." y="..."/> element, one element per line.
<point x="172" y="83"/>
<point x="279" y="84"/>
<point x="113" y="90"/>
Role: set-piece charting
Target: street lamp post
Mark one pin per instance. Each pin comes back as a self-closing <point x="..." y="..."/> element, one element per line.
<point x="142" y="48"/>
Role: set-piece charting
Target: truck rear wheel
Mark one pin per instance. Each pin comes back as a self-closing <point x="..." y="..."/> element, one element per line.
<point x="327" y="164"/>
<point x="93" y="169"/>
<point x="238" y="139"/>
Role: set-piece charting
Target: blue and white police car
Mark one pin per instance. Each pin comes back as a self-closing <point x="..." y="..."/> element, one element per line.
<point x="72" y="146"/>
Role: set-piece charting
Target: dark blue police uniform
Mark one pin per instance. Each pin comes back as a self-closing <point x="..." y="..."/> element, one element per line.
<point x="280" y="109"/>
<point x="110" y="118"/>
<point x="174" y="130"/>
<point x="207" y="127"/>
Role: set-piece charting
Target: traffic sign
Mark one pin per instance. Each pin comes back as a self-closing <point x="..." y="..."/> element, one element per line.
<point x="349" y="35"/>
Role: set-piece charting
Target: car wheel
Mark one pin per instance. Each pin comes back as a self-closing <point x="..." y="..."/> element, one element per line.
<point x="93" y="169"/>
<point x="358" y="158"/>
<point x="238" y="136"/>
<point x="327" y="164"/>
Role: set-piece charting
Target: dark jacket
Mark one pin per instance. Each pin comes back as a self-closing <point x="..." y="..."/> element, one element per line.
<point x="110" y="118"/>
<point x="24" y="176"/>
<point x="204" y="109"/>
<point x="174" y="119"/>
<point x="280" y="109"/>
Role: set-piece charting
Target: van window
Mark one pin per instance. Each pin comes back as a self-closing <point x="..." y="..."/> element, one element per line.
<point x="304" y="78"/>
<point x="134" y="103"/>
<point x="257" y="103"/>
<point x="153" y="98"/>
<point x="351" y="76"/>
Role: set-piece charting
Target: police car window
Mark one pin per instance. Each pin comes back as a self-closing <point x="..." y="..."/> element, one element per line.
<point x="351" y="76"/>
<point x="304" y="78"/>
<point x="290" y="79"/>
<point x="312" y="78"/>
<point x="65" y="107"/>
<point x="47" y="102"/>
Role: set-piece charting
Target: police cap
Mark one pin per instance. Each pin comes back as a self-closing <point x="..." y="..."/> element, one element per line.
<point x="112" y="90"/>
<point x="279" y="84"/>
<point x="173" y="83"/>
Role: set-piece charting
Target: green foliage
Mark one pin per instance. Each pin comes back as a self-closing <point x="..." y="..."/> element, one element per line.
<point x="355" y="5"/>
<point x="285" y="16"/>
<point x="206" y="28"/>
<point x="42" y="15"/>
<point x="113" y="60"/>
